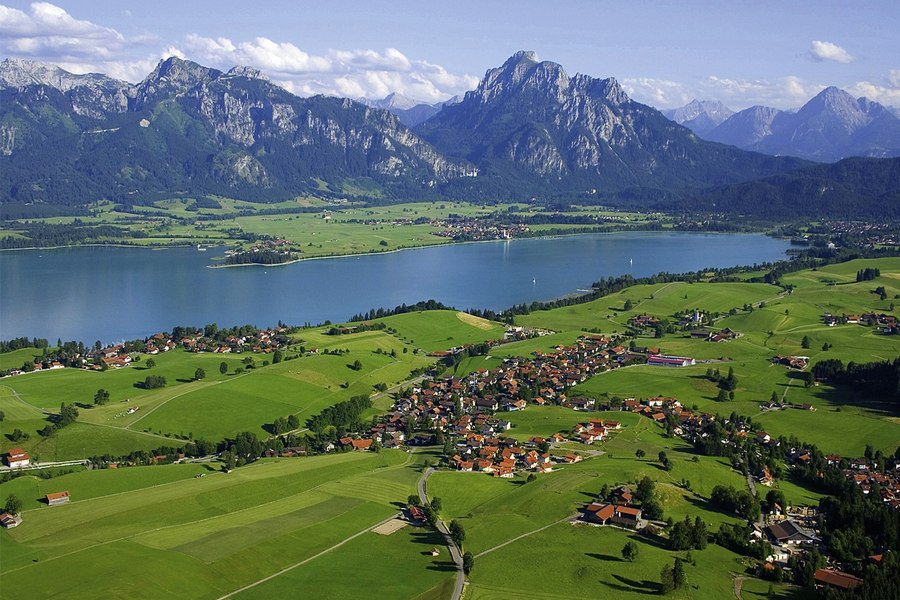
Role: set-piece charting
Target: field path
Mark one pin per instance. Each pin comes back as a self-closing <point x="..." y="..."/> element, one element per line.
<point x="311" y="558"/>
<point x="525" y="535"/>
<point x="210" y="518"/>
<point x="178" y="395"/>
<point x="738" y="584"/>
<point x="16" y="395"/>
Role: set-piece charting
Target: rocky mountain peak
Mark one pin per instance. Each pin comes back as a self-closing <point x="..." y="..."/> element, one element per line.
<point x="713" y="110"/>
<point x="91" y="95"/>
<point x="18" y="73"/>
<point x="181" y="73"/>
<point x="831" y="99"/>
<point x="521" y="72"/>
<point x="248" y="72"/>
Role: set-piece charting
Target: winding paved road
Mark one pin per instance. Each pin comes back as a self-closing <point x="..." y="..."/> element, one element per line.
<point x="454" y="550"/>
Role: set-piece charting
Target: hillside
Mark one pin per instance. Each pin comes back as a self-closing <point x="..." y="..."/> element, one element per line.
<point x="190" y="129"/>
<point x="852" y="188"/>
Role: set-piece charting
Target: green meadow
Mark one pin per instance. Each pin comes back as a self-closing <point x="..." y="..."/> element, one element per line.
<point x="585" y="562"/>
<point x="441" y="330"/>
<point x="514" y="522"/>
<point x="844" y="420"/>
<point x="170" y="533"/>
<point x="148" y="532"/>
<point x="351" y="227"/>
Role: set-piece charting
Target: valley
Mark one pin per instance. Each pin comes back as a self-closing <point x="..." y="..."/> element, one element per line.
<point x="297" y="519"/>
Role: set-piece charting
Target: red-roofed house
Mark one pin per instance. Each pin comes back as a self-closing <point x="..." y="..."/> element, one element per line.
<point x="836" y="579"/>
<point x="17" y="458"/>
<point x="599" y="513"/>
<point x="57" y="498"/>
<point x="626" y="515"/>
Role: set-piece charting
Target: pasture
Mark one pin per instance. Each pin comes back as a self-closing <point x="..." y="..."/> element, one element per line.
<point x="210" y="536"/>
<point x="776" y="328"/>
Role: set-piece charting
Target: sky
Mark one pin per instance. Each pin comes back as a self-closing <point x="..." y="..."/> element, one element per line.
<point x="665" y="53"/>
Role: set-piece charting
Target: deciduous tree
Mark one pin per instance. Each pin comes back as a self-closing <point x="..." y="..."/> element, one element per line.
<point x="630" y="551"/>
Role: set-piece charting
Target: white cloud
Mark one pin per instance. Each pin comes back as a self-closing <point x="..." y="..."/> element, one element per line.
<point x="351" y="73"/>
<point x="48" y="30"/>
<point x="661" y="93"/>
<point x="785" y="92"/>
<point x="894" y="77"/>
<point x="886" y="92"/>
<point x="49" y="33"/>
<point x="820" y="51"/>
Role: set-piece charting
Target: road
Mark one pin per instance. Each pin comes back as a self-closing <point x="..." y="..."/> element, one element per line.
<point x="454" y="550"/>
<point x="46" y="465"/>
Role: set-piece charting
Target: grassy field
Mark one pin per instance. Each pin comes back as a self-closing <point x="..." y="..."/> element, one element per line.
<point x="777" y="328"/>
<point x="221" y="405"/>
<point x="442" y="330"/>
<point x="584" y="561"/>
<point x="16" y="358"/>
<point x="351" y="227"/>
<point x="214" y="535"/>
<point x="213" y="408"/>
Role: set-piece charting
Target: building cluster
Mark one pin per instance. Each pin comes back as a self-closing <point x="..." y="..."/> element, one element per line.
<point x="466" y="409"/>
<point x="887" y="324"/>
<point x="867" y="234"/>
<point x="475" y="229"/>
<point x="120" y="355"/>
<point x="263" y="341"/>
<point x="615" y="509"/>
<point x="866" y="474"/>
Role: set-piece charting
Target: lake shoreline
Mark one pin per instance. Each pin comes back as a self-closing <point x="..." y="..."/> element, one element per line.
<point x="154" y="290"/>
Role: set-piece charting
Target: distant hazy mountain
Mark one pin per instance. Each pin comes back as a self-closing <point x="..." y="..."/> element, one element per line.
<point x="529" y="124"/>
<point x="409" y="111"/>
<point x="700" y="116"/>
<point x="831" y="126"/>
<point x="190" y="129"/>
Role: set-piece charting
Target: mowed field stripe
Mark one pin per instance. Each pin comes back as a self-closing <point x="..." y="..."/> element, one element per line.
<point x="303" y="562"/>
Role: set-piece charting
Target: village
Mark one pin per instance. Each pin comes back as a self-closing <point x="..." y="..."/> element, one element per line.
<point x="465" y="414"/>
<point x="263" y="341"/>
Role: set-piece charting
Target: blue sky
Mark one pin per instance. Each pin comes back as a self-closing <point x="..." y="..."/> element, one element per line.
<point x="664" y="52"/>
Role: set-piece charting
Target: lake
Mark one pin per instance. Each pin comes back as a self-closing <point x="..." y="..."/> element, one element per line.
<point x="112" y="294"/>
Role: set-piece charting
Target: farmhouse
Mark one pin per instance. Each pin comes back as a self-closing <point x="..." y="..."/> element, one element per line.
<point x="790" y="532"/>
<point x="416" y="514"/>
<point x="17" y="458"/>
<point x="361" y="444"/>
<point x="598" y="513"/>
<point x="57" y="498"/>
<point x="832" y="578"/>
<point x="670" y="361"/>
<point x="628" y="516"/>
<point x="9" y="521"/>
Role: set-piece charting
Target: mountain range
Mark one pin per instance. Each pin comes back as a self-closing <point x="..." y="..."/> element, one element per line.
<point x="700" y="116"/>
<point x="410" y="112"/>
<point x="833" y="125"/>
<point x="528" y="130"/>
